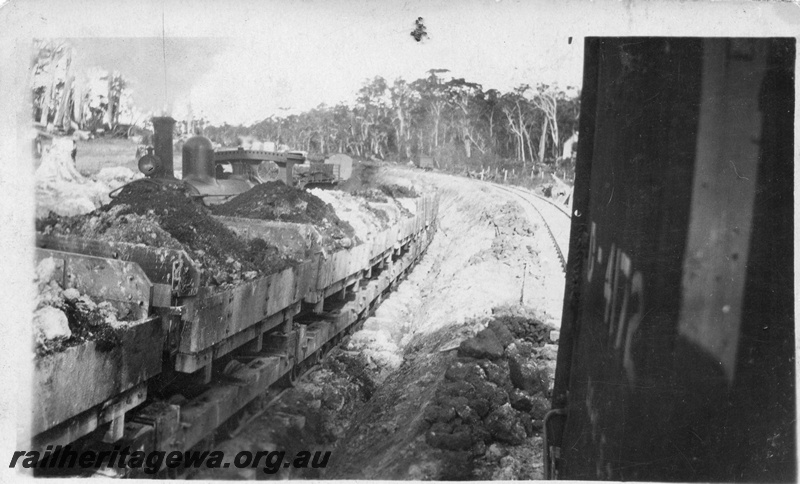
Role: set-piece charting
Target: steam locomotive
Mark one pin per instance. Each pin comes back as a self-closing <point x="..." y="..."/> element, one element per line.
<point x="202" y="170"/>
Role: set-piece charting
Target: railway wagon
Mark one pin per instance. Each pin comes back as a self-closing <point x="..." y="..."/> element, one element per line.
<point x="192" y="355"/>
<point x="677" y="351"/>
<point x="425" y="162"/>
<point x="186" y="331"/>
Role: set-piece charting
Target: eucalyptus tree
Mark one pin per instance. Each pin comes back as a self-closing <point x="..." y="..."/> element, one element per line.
<point x="404" y="98"/>
<point x="465" y="99"/>
<point x="433" y="98"/>
<point x="373" y="108"/>
<point x="516" y="110"/>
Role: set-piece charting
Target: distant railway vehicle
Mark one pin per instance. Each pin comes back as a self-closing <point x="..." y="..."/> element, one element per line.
<point x="343" y="164"/>
<point x="425" y="162"/>
<point x="315" y="174"/>
<point x="677" y="349"/>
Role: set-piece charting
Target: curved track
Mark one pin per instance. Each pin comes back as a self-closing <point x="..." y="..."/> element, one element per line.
<point x="555" y="218"/>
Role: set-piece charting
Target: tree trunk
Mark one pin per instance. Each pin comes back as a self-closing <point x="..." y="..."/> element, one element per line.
<point x="109" y="107"/>
<point x="66" y="93"/>
<point x="61" y="118"/>
<point x="543" y="140"/>
<point x="522" y="134"/>
<point x="491" y="128"/>
<point x="49" y="91"/>
<point x="530" y="147"/>
<point x="77" y="104"/>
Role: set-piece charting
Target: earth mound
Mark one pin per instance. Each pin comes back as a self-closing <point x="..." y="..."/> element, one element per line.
<point x="276" y="201"/>
<point x="165" y="216"/>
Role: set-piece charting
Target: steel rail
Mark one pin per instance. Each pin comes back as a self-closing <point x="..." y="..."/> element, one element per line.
<point x="524" y="195"/>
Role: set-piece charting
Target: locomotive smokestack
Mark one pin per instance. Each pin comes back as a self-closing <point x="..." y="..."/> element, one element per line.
<point x="163" y="127"/>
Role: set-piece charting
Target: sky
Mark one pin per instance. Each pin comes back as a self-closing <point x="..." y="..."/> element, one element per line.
<point x="240" y="61"/>
<point x="316" y="53"/>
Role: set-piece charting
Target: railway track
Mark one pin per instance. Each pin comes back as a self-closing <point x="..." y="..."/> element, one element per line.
<point x="555" y="218"/>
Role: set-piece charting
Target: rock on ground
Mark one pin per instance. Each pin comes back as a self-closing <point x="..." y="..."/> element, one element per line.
<point x="484" y="345"/>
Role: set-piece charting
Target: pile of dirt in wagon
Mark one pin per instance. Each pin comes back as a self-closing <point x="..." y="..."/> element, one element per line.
<point x="161" y="216"/>
<point x="278" y="202"/>
<point x="365" y="218"/>
<point x="367" y="181"/>
<point x="65" y="318"/>
<point x="398" y="191"/>
<point x="370" y="210"/>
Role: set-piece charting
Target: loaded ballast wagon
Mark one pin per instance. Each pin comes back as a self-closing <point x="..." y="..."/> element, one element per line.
<point x="188" y="320"/>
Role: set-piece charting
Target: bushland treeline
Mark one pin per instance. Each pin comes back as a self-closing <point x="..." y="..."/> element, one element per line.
<point x="456" y="122"/>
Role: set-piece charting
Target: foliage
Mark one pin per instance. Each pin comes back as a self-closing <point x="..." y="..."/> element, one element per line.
<point x="457" y="122"/>
<point x="68" y="100"/>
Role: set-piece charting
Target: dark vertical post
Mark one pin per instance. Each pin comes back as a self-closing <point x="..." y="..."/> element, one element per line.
<point x="579" y="241"/>
<point x="162" y="142"/>
<point x="289" y="172"/>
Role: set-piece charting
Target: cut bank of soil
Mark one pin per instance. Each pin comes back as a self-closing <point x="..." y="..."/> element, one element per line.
<point x="474" y="414"/>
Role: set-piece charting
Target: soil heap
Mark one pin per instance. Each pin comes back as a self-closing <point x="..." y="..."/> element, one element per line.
<point x="276" y="201"/>
<point x="164" y="216"/>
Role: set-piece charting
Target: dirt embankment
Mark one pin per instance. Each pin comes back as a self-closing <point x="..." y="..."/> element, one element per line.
<point x="445" y="414"/>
